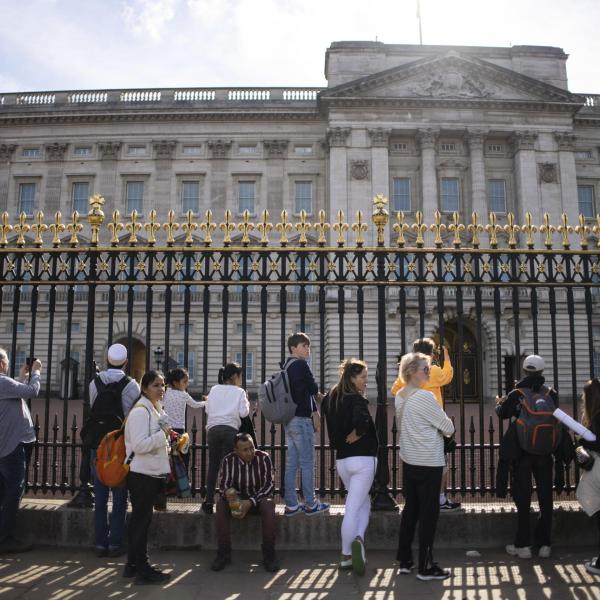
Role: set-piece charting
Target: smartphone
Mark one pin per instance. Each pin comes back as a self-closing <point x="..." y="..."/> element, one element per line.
<point x="29" y="361"/>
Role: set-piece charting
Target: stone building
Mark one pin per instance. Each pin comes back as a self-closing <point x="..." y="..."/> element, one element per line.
<point x="452" y="129"/>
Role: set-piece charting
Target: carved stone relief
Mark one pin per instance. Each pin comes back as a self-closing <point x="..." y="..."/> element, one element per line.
<point x="337" y="136"/>
<point x="219" y="148"/>
<point x="56" y="151"/>
<point x="275" y="148"/>
<point x="109" y="150"/>
<point x="548" y="172"/>
<point x="7" y="151"/>
<point x="523" y="140"/>
<point x="164" y="148"/>
<point x="565" y="141"/>
<point x="427" y="138"/>
<point x="379" y="137"/>
<point x="359" y="169"/>
<point x="450" y="83"/>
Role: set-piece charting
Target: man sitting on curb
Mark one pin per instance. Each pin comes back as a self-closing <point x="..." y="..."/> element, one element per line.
<point x="246" y="487"/>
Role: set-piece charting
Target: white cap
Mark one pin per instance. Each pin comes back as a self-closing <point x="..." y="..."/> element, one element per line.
<point x="533" y="363"/>
<point x="117" y="355"/>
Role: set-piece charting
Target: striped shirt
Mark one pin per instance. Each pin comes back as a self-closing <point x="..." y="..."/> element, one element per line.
<point x="422" y="424"/>
<point x="253" y="480"/>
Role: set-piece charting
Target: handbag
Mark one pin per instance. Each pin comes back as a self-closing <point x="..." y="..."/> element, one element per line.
<point x="588" y="489"/>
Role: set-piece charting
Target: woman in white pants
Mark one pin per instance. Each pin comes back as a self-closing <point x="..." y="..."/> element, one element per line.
<point x="353" y="436"/>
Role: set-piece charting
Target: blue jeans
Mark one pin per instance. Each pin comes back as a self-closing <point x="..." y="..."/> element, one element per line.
<point x="301" y="455"/>
<point x="12" y="486"/>
<point x="109" y="531"/>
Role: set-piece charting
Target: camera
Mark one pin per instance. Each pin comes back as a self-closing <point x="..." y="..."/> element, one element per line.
<point x="584" y="459"/>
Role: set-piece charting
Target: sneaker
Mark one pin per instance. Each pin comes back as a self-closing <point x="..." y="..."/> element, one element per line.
<point x="151" y="576"/>
<point x="449" y="506"/>
<point x="292" y="512"/>
<point x="14" y="546"/>
<point x="593" y="566"/>
<point x="221" y="561"/>
<point x="129" y="571"/>
<point x="207" y="508"/>
<point x="316" y="509"/>
<point x="358" y="556"/>
<point x="345" y="562"/>
<point x="406" y="566"/>
<point x="433" y="572"/>
<point x="520" y="551"/>
<point x="545" y="551"/>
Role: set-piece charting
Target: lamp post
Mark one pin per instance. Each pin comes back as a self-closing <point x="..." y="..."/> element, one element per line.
<point x="158" y="354"/>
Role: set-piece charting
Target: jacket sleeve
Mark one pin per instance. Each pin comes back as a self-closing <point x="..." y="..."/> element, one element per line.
<point x="311" y="384"/>
<point x="509" y="407"/>
<point x="441" y="376"/>
<point x="14" y="389"/>
<point x="244" y="405"/>
<point x="138" y="426"/>
<point x="194" y="403"/>
<point x="131" y="394"/>
<point x="360" y="416"/>
<point x="398" y="385"/>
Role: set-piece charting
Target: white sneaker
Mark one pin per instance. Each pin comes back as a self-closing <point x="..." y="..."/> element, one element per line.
<point x="592" y="567"/>
<point x="521" y="552"/>
<point x="545" y="551"/>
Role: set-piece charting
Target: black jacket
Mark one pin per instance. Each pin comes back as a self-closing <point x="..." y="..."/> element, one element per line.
<point x="511" y="405"/>
<point x="304" y="387"/>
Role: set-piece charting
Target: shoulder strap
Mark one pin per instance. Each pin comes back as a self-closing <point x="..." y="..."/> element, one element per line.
<point x="123" y="383"/>
<point x="100" y="385"/>
<point x="138" y="405"/>
<point x="288" y="363"/>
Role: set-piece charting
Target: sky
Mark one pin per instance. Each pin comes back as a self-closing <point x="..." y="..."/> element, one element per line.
<point x="105" y="44"/>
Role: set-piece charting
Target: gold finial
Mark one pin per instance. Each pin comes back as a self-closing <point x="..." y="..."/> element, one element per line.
<point x="133" y="227"/>
<point x="565" y="230"/>
<point x="246" y="227"/>
<point x="511" y="229"/>
<point x="583" y="231"/>
<point x="303" y="228"/>
<point x="547" y="229"/>
<point x="38" y="228"/>
<point x="456" y="227"/>
<point x="529" y="230"/>
<point x="189" y="227"/>
<point x="341" y="227"/>
<point x="380" y="217"/>
<point x="438" y="227"/>
<point x="596" y="230"/>
<point x="227" y="227"/>
<point x="170" y="227"/>
<point x="151" y="228"/>
<point x="114" y="227"/>
<point x="74" y="227"/>
<point x="56" y="229"/>
<point x="420" y="228"/>
<point x="96" y="217"/>
<point x="360" y="228"/>
<point x="264" y="227"/>
<point x="321" y="227"/>
<point x="21" y="229"/>
<point x="4" y="229"/>
<point x="493" y="229"/>
<point x="283" y="228"/>
<point x="400" y="228"/>
<point x="475" y="229"/>
<point x="207" y="228"/>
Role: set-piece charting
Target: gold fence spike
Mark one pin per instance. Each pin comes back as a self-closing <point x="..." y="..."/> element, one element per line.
<point x="547" y="229"/>
<point x="4" y="229"/>
<point x="419" y="228"/>
<point x="96" y="218"/>
<point x="39" y="227"/>
<point x="152" y="227"/>
<point x="322" y="227"/>
<point x="56" y="229"/>
<point x="438" y="228"/>
<point x="340" y="226"/>
<point x="208" y="227"/>
<point x="360" y="228"/>
<point x="189" y="227"/>
<point x="264" y="227"/>
<point x="511" y="229"/>
<point x="303" y="228"/>
<point x="74" y="228"/>
<point x="596" y="231"/>
<point x="114" y="227"/>
<point x="284" y="228"/>
<point x="227" y="227"/>
<point x="529" y="230"/>
<point x="583" y="231"/>
<point x="400" y="228"/>
<point x="171" y="226"/>
<point x="21" y="229"/>
<point x="133" y="227"/>
<point x="456" y="227"/>
<point x="475" y="229"/>
<point x="493" y="229"/>
<point x="246" y="227"/>
<point x="565" y="230"/>
<point x="380" y="217"/>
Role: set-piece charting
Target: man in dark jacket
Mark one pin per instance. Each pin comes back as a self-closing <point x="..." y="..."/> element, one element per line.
<point x="528" y="464"/>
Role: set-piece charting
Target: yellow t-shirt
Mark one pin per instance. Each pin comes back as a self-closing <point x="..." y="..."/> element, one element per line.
<point x="438" y="377"/>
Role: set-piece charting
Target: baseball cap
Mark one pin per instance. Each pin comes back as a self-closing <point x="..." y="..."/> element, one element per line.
<point x="117" y="354"/>
<point x="533" y="363"/>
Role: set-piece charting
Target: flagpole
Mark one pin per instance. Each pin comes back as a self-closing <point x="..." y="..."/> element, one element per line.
<point x="419" y="17"/>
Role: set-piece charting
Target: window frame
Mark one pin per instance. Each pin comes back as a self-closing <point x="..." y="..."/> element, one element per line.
<point x="592" y="187"/>
<point x="311" y="200"/>
<point x="89" y="194"/>
<point x="127" y="183"/>
<point x="34" y="201"/>
<point x="249" y="373"/>
<point x="185" y="181"/>
<point x="394" y="195"/>
<point x="493" y="180"/>
<point x="242" y="182"/>
<point x="443" y="196"/>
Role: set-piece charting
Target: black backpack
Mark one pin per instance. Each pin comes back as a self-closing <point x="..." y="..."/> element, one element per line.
<point x="106" y="413"/>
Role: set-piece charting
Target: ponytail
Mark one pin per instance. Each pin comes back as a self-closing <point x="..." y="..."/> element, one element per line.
<point x="228" y="371"/>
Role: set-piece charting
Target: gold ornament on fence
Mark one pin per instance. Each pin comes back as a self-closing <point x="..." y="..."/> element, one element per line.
<point x="227" y="227"/>
<point x="74" y="228"/>
<point x="170" y="227"/>
<point x="565" y="230"/>
<point x="96" y="218"/>
<point x="207" y="228"/>
<point x="189" y="227"/>
<point x="321" y="227"/>
<point x="583" y="231"/>
<point x="475" y="228"/>
<point x="419" y="228"/>
<point x="5" y="229"/>
<point x="400" y="227"/>
<point x="493" y="229"/>
<point x="380" y="217"/>
<point x="114" y="227"/>
<point x="511" y="229"/>
<point x="596" y="231"/>
<point x="547" y="229"/>
<point x="21" y="229"/>
<point x="264" y="227"/>
<point x="438" y="228"/>
<point x="246" y="227"/>
<point x="39" y="227"/>
<point x="303" y="228"/>
<point x="529" y="230"/>
<point x="284" y="228"/>
<point x="56" y="229"/>
<point x="360" y="228"/>
<point x="340" y="226"/>
<point x="133" y="227"/>
<point x="456" y="227"/>
<point x="151" y="228"/>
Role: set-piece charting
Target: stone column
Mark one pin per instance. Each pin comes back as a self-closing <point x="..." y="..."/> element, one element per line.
<point x="429" y="188"/>
<point x="6" y="153"/>
<point x="568" y="178"/>
<point x="337" y="138"/>
<point x="526" y="177"/>
<point x="276" y="151"/>
<point x="380" y="172"/>
<point x="55" y="155"/>
<point x="479" y="203"/>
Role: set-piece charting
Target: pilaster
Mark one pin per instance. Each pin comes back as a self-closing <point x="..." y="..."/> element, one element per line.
<point x="55" y="155"/>
<point x="526" y="177"/>
<point x="380" y="167"/>
<point x="337" y="138"/>
<point x="568" y="176"/>
<point x="6" y="153"/>
<point x="476" y="140"/>
<point x="427" y="139"/>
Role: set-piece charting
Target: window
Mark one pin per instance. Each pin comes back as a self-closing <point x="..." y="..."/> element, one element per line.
<point x="399" y="147"/>
<point x="495" y="149"/>
<point x="20" y="327"/>
<point x="247" y="196"/>
<point x="75" y="328"/>
<point x="191" y="366"/>
<point x="401" y="200"/>
<point x="82" y="151"/>
<point x="135" y="196"/>
<point x="192" y="150"/>
<point x="497" y="195"/>
<point x="447" y="147"/>
<point x="584" y="155"/>
<point x="449" y="194"/>
<point x="80" y="194"/>
<point x="239" y="328"/>
<point x="182" y="329"/>
<point x="26" y="198"/>
<point x="190" y="196"/>
<point x="303" y="150"/>
<point x="303" y="196"/>
<point x="248" y="367"/>
<point x="75" y="355"/>
<point x="19" y="360"/>
<point x="136" y="150"/>
<point x="585" y="195"/>
<point x="31" y="153"/>
<point x="248" y="149"/>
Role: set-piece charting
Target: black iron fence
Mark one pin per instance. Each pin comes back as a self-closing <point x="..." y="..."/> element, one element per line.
<point x="490" y="293"/>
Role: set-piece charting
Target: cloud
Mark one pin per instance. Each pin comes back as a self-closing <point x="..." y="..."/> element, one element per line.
<point x="148" y="17"/>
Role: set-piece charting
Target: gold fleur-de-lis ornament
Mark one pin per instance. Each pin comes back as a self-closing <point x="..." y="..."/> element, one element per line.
<point x="74" y="228"/>
<point x="400" y="227"/>
<point x="264" y="227"/>
<point x="360" y="228"/>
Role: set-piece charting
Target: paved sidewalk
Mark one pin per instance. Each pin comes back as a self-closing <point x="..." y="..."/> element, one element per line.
<point x="61" y="574"/>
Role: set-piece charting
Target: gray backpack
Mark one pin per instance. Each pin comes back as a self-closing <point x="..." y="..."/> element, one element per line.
<point x="275" y="397"/>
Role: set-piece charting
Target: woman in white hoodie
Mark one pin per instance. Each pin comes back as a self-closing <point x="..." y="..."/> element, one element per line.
<point x="146" y="441"/>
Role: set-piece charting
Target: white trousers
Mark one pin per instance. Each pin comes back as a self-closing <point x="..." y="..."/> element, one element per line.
<point x="357" y="473"/>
